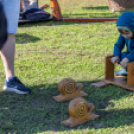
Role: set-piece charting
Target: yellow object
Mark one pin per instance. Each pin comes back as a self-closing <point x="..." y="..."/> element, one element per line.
<point x="69" y="90"/>
<point x="80" y="111"/>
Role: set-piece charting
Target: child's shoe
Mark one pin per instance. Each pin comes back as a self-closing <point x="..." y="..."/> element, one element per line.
<point x="121" y="72"/>
<point x="15" y="85"/>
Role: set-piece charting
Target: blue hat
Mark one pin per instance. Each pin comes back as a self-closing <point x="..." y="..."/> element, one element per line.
<point x="126" y="20"/>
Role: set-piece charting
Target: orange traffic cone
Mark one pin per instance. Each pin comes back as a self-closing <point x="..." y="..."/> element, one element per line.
<point x="56" y="12"/>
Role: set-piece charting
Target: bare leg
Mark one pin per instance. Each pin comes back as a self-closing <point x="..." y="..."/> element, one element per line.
<point x="7" y="54"/>
<point x="12" y="84"/>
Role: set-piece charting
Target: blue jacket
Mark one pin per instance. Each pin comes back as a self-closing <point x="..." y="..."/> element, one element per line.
<point x="126" y="19"/>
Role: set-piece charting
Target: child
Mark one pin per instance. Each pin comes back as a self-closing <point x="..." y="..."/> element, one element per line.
<point x="125" y="26"/>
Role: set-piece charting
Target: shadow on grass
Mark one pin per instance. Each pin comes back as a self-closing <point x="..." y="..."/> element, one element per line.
<point x="23" y="38"/>
<point x="67" y="23"/>
<point x="97" y="8"/>
<point x="38" y="112"/>
<point x="62" y="23"/>
<point x="52" y="23"/>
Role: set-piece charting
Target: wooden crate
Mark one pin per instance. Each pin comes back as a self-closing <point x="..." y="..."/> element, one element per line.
<point x="119" y="5"/>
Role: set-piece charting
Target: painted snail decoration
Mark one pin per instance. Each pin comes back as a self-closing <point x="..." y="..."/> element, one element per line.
<point x="80" y="111"/>
<point x="69" y="90"/>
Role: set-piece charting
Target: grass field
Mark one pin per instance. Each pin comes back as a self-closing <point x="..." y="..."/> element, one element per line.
<point x="84" y="8"/>
<point x="45" y="54"/>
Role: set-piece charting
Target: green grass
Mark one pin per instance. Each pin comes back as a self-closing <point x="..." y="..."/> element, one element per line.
<point x="45" y="54"/>
<point x="85" y="9"/>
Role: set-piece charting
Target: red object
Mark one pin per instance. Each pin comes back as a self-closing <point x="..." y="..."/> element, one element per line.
<point x="56" y="12"/>
<point x="21" y="3"/>
<point x="89" y="19"/>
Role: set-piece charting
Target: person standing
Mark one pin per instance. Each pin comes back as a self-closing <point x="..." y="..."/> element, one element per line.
<point x="12" y="83"/>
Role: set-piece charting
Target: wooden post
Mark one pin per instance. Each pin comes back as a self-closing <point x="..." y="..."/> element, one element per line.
<point x="130" y="77"/>
<point x="109" y="68"/>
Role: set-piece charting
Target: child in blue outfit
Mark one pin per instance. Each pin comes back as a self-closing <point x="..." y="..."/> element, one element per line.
<point x="125" y="26"/>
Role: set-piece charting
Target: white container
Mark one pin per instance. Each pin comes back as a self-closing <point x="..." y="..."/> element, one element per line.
<point x="29" y="3"/>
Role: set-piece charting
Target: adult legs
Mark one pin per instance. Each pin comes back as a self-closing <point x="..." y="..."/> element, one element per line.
<point x="12" y="83"/>
<point x="7" y="54"/>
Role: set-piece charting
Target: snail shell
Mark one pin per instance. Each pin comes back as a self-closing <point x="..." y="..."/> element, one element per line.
<point x="78" y="107"/>
<point x="67" y="86"/>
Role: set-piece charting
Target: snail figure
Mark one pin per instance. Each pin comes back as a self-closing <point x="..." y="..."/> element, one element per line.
<point x="69" y="90"/>
<point x="80" y="111"/>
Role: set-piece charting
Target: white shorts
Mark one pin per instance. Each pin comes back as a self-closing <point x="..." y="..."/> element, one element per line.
<point x="11" y="8"/>
<point x="29" y="3"/>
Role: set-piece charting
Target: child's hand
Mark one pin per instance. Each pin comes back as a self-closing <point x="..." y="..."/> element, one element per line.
<point x="114" y="59"/>
<point x="124" y="62"/>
